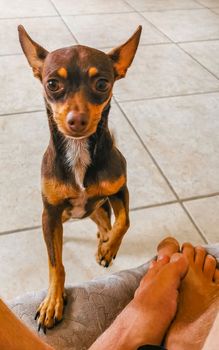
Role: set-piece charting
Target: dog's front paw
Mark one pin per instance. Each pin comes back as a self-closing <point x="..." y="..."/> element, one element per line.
<point x="106" y="252"/>
<point x="50" y="311"/>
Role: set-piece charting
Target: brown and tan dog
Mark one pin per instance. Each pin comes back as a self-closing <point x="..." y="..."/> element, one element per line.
<point x="83" y="173"/>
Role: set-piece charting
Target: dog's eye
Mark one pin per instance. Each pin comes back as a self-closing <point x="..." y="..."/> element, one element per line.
<point x="102" y="85"/>
<point x="53" y="85"/>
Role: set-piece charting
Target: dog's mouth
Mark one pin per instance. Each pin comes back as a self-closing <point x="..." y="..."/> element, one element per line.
<point x="78" y="135"/>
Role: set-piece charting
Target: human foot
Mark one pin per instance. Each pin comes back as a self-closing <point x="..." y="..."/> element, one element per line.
<point x="158" y="293"/>
<point x="198" y="301"/>
<point x="141" y="322"/>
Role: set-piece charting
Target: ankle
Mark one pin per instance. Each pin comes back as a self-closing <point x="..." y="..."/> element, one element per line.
<point x="138" y="328"/>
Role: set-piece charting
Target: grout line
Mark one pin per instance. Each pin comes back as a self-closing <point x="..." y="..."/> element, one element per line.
<point x="193" y="58"/>
<point x="97" y="47"/>
<point x="187" y="199"/>
<point x="24" y="112"/>
<point x="132" y="10"/>
<point x="165" y="10"/>
<point x="131" y="210"/>
<point x="27" y="17"/>
<point x="149" y="206"/>
<point x="199" y="230"/>
<point x="204" y="6"/>
<point x="167" y="96"/>
<point x="197" y="2"/>
<point x="147" y="21"/>
<point x="147" y="150"/>
<point x="97" y="13"/>
<point x="11" y="54"/>
<point x="118" y="101"/>
<point x="65" y="24"/>
<point x="172" y="10"/>
<point x="67" y="27"/>
<point x="176" y="43"/>
<point x="20" y="230"/>
<point x="140" y="44"/>
<point x="195" y="41"/>
<point x="212" y="10"/>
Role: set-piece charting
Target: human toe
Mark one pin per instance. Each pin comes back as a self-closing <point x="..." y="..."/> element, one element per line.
<point x="189" y="252"/>
<point x="168" y="246"/>
<point x="200" y="254"/>
<point x="216" y="276"/>
<point x="209" y="267"/>
<point x="177" y="269"/>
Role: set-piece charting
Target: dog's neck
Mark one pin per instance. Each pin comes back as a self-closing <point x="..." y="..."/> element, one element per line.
<point x="74" y="156"/>
<point x="78" y="158"/>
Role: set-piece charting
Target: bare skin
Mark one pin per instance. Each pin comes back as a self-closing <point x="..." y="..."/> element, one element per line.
<point x="198" y="301"/>
<point x="14" y="335"/>
<point x="155" y="299"/>
<point x="190" y="280"/>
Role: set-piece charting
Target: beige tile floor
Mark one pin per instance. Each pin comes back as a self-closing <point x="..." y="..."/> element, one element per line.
<point x="165" y="117"/>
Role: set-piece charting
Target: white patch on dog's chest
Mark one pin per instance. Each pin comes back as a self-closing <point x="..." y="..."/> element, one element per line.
<point x="78" y="159"/>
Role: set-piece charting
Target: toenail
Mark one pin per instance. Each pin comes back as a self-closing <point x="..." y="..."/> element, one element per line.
<point x="160" y="257"/>
<point x="176" y="257"/>
<point x="211" y="257"/>
<point x="186" y="244"/>
<point x="199" y="247"/>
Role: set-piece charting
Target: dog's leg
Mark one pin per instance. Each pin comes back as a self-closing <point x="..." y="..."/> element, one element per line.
<point x="108" y="249"/>
<point x="65" y="216"/>
<point x="51" y="309"/>
<point x="102" y="217"/>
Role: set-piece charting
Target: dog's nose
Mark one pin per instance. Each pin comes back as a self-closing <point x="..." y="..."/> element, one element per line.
<point x="77" y="121"/>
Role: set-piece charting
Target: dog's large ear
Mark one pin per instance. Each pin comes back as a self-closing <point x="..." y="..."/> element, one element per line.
<point x="35" y="53"/>
<point x="123" y="55"/>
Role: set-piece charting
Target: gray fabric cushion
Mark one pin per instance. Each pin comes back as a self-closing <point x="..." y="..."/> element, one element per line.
<point x="91" y="308"/>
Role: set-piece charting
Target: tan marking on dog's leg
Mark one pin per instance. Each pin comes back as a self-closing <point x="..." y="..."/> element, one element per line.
<point x="65" y="216"/>
<point x="102" y="217"/>
<point x="108" y="250"/>
<point x="51" y="309"/>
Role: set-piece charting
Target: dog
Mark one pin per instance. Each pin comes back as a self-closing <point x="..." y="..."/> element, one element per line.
<point x="83" y="173"/>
